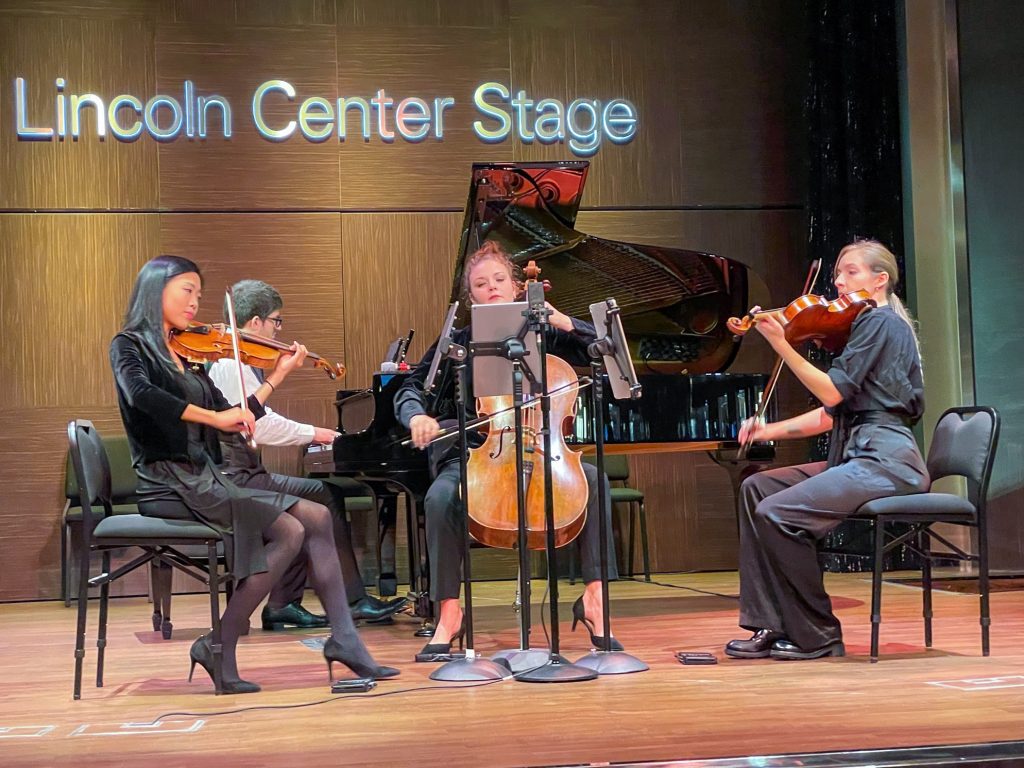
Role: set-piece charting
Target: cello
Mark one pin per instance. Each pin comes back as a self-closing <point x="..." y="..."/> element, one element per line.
<point x="492" y="468"/>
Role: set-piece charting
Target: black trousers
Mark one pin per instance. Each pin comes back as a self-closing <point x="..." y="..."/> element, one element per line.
<point x="293" y="582"/>
<point x="444" y="518"/>
<point x="783" y="514"/>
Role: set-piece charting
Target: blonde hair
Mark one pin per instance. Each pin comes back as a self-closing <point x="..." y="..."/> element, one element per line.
<point x="489" y="251"/>
<point x="880" y="259"/>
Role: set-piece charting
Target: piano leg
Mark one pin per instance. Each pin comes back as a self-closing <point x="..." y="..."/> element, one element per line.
<point x="739" y="470"/>
<point x="419" y="570"/>
<point x="387" y="580"/>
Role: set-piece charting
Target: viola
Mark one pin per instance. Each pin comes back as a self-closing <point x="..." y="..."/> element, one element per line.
<point x="203" y="343"/>
<point x="812" y="318"/>
<point x="492" y="474"/>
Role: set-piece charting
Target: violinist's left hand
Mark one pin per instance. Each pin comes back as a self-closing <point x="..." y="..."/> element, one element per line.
<point x="558" y="319"/>
<point x="289" y="361"/>
<point x="769" y="327"/>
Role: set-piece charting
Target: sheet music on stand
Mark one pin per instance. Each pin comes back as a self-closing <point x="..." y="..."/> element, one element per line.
<point x="614" y="350"/>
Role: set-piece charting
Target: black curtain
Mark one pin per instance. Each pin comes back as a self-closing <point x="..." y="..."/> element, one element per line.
<point x="854" y="179"/>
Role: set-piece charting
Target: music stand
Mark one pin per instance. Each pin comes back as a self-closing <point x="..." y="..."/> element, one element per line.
<point x="469" y="667"/>
<point x="610" y="351"/>
<point x="513" y="331"/>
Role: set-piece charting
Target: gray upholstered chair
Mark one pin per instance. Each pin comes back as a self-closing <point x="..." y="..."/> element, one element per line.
<point x="964" y="444"/>
<point x="103" y="531"/>
<point x="616" y="466"/>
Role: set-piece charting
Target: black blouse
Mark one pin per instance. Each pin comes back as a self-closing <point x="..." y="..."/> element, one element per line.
<point x="152" y="398"/>
<point x="878" y="371"/>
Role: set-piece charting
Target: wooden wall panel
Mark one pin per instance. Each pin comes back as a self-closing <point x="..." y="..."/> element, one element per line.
<point x="66" y="280"/>
<point x="426" y="62"/>
<point x="398" y="275"/>
<point x="248" y="171"/>
<point x="34" y="445"/>
<point x="105" y="56"/>
<point x="298" y="254"/>
<point x="719" y="95"/>
<point x="360" y="237"/>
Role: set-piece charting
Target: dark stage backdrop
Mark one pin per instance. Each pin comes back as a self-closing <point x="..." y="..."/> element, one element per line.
<point x="359" y="237"/>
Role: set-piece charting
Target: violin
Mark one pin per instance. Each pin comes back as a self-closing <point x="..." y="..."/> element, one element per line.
<point x="812" y="318"/>
<point x="492" y="474"/>
<point x="202" y="343"/>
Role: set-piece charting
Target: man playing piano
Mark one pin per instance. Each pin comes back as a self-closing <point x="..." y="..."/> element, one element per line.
<point x="258" y="311"/>
<point x="489" y="277"/>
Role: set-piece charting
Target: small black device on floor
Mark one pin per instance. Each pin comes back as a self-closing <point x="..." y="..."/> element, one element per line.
<point x="696" y="657"/>
<point x="359" y="685"/>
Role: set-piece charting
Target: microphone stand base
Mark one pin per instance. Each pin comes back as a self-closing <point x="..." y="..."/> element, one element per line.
<point x="611" y="662"/>
<point x="519" y="660"/>
<point x="467" y="670"/>
<point x="558" y="670"/>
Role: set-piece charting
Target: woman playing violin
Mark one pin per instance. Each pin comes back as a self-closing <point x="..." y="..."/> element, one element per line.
<point x="872" y="394"/>
<point x="172" y="414"/>
<point x="489" y="278"/>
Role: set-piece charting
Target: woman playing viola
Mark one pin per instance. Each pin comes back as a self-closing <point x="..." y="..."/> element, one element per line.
<point x="172" y="414"/>
<point x="872" y="395"/>
<point x="489" y="278"/>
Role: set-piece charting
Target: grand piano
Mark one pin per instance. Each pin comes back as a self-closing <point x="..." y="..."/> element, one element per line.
<point x="674" y="306"/>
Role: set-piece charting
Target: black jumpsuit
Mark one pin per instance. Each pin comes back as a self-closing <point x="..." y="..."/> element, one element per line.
<point x="784" y="512"/>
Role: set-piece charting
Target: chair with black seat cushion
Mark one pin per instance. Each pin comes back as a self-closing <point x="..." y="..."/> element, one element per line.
<point x="616" y="466"/>
<point x="103" y="531"/>
<point x="964" y="444"/>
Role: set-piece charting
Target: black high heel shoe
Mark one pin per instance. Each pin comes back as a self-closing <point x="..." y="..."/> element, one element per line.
<point x="578" y="615"/>
<point x="432" y="651"/>
<point x="335" y="651"/>
<point x="202" y="654"/>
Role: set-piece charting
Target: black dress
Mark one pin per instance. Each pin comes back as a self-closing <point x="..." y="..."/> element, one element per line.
<point x="186" y="484"/>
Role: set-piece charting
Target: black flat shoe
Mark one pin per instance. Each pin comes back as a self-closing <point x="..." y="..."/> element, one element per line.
<point x="373" y="610"/>
<point x="358" y="660"/>
<point x="757" y="646"/>
<point x="202" y="654"/>
<point x="293" y="614"/>
<point x="784" y="649"/>
<point x="579" y="615"/>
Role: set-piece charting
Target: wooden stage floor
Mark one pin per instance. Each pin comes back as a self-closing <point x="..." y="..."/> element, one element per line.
<point x="944" y="696"/>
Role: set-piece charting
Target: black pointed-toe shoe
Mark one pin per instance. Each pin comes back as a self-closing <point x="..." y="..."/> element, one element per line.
<point x="373" y="610"/>
<point x="784" y="649"/>
<point x="294" y="615"/>
<point x="757" y="646"/>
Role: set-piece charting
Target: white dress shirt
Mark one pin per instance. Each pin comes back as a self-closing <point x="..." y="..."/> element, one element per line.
<point x="273" y="428"/>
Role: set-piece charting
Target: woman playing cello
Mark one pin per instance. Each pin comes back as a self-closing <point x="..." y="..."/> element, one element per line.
<point x="488" y="279"/>
<point x="872" y="394"/>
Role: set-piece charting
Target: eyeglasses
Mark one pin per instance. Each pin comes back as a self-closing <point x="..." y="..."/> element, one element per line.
<point x="277" y="321"/>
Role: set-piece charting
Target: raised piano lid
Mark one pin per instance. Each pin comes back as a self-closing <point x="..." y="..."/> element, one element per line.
<point x="674" y="302"/>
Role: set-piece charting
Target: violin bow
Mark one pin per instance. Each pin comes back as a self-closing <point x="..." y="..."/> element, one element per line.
<point x="229" y="301"/>
<point x="769" y="388"/>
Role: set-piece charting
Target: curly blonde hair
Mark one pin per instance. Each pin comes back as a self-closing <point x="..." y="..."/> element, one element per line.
<point x="490" y="250"/>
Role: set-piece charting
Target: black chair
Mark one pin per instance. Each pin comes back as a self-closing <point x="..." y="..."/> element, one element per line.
<point x="103" y="531"/>
<point x="122" y="496"/>
<point x="964" y="444"/>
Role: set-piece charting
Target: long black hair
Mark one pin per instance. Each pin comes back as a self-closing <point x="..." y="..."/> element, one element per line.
<point x="144" y="319"/>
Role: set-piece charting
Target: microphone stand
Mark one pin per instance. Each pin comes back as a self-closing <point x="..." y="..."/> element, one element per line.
<point x="469" y="667"/>
<point x="557" y="669"/>
<point x="604" y="660"/>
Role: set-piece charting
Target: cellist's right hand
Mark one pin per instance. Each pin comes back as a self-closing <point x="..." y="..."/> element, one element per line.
<point x="423" y="429"/>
